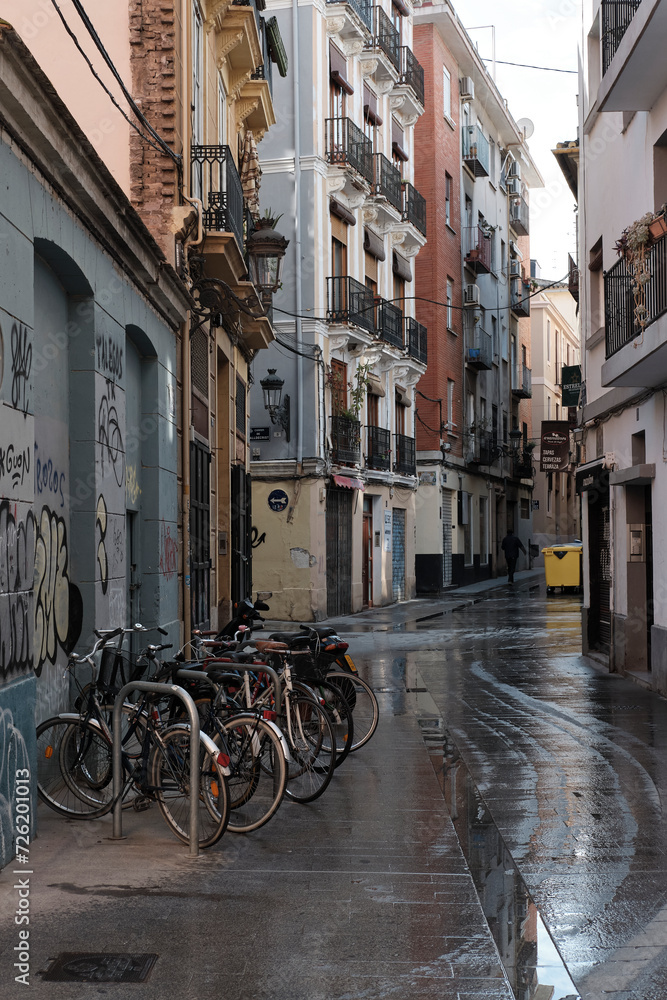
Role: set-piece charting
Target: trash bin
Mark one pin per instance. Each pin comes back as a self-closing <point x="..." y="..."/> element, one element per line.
<point x="562" y="566"/>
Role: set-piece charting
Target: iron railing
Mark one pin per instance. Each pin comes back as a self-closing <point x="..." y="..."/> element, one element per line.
<point x="619" y="307"/>
<point x="519" y="215"/>
<point x="387" y="181"/>
<point x="522" y="466"/>
<point x="522" y="381"/>
<point x="478" y="343"/>
<point x="348" y="301"/>
<point x="362" y="9"/>
<point x="616" y="17"/>
<point x="415" y="339"/>
<point x="412" y="73"/>
<point x="378" y="448"/>
<point x="386" y="37"/>
<point x="520" y="297"/>
<point x="265" y="71"/>
<point x="478" y="249"/>
<point x="389" y="323"/>
<point x="215" y="179"/>
<point x="346" y="145"/>
<point x="345" y="440"/>
<point x="406" y="459"/>
<point x="476" y="152"/>
<point x="414" y="207"/>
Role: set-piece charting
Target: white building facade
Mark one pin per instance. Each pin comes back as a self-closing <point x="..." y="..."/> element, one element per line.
<point x="623" y="176"/>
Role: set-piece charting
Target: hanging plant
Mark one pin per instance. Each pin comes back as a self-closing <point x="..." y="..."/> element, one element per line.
<point x="634" y="246"/>
<point x="359" y="390"/>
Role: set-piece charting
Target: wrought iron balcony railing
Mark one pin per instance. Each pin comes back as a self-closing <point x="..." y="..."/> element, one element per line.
<point x="362" y="9"/>
<point x="478" y="249"/>
<point x="215" y="179"/>
<point x="378" y="448"/>
<point x="616" y="17"/>
<point x="348" y="301"/>
<point x="412" y="73"/>
<point x="345" y="440"/>
<point x="346" y="145"/>
<point x="415" y="339"/>
<point x="406" y="459"/>
<point x="389" y="323"/>
<point x="414" y="207"/>
<point x="478" y="343"/>
<point x="520" y="297"/>
<point x="620" y="322"/>
<point x="386" y="37"/>
<point x="519" y="215"/>
<point x="476" y="152"/>
<point x="387" y="181"/>
<point x="522" y="381"/>
<point x="522" y="465"/>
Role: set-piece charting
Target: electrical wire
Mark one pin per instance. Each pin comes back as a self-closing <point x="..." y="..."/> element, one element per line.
<point x="546" y="69"/>
<point x="159" y="145"/>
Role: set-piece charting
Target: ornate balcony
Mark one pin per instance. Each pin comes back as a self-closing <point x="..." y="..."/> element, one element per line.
<point x="215" y="179"/>
<point x="616" y="18"/>
<point x="387" y="181"/>
<point x="378" y="448"/>
<point x="478" y="249"/>
<point x="383" y="50"/>
<point x="348" y="301"/>
<point x="345" y="440"/>
<point x="415" y="339"/>
<point x="406" y="459"/>
<point x="414" y="207"/>
<point x="522" y="381"/>
<point x="476" y="154"/>
<point x="347" y="146"/>
<point x="389" y="323"/>
<point x="358" y="17"/>
<point x="410" y="85"/>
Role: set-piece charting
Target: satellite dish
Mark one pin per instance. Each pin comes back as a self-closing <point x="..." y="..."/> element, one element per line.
<point x="526" y="127"/>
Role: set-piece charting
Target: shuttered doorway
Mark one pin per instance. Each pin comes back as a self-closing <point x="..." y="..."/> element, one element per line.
<point x="447" y="538"/>
<point x="398" y="554"/>
<point x="599" y="621"/>
<point x="339" y="552"/>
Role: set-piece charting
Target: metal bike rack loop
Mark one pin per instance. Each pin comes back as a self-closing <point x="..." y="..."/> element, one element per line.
<point x="117" y="764"/>
<point x="246" y="668"/>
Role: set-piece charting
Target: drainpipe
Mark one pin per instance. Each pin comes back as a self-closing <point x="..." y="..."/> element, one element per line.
<point x="297" y="233"/>
<point x="185" y="366"/>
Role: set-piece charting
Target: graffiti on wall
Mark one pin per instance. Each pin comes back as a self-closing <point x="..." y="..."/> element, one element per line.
<point x="49" y="479"/>
<point x="58" y="603"/>
<point x="14" y="761"/>
<point x="132" y="488"/>
<point x="21" y="367"/>
<point x="109" y="357"/>
<point x="109" y="434"/>
<point x="101" y="524"/>
<point x="168" y="551"/>
<point x="17" y="557"/>
<point x="16" y="450"/>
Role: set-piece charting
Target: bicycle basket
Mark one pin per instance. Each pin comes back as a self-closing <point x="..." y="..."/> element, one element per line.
<point x="303" y="664"/>
<point x="118" y="668"/>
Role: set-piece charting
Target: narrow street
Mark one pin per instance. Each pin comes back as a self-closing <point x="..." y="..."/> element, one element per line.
<point x="552" y="770"/>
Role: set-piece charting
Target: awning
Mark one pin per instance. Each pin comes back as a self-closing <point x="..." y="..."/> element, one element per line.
<point x="402" y="396"/>
<point x="401" y="267"/>
<point x="592" y="477"/>
<point x="349" y="483"/>
<point x="342" y="212"/>
<point x="374" y="385"/>
<point x="374" y="244"/>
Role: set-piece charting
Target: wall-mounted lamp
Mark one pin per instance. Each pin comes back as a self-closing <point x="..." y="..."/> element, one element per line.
<point x="266" y="249"/>
<point x="272" y="390"/>
<point x="515" y="436"/>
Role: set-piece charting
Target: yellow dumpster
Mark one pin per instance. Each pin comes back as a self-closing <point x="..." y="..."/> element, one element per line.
<point x="562" y="566"/>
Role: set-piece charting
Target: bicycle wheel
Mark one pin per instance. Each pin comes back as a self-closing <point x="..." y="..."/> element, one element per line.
<point x="311" y="744"/>
<point x="361" y="699"/>
<point x="169" y="769"/>
<point x="74" y="768"/>
<point x="340" y="715"/>
<point x="258" y="771"/>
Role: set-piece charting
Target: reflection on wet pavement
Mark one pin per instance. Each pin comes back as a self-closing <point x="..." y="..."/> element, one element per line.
<point x="571" y="764"/>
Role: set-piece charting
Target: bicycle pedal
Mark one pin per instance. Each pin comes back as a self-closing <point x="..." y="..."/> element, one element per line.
<point x="142" y="803"/>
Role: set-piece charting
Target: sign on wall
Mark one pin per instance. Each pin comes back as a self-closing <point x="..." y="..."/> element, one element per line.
<point x="571" y="384"/>
<point x="554" y="446"/>
<point x="278" y="500"/>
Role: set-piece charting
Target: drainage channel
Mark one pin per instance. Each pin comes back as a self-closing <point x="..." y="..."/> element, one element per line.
<point x="529" y="956"/>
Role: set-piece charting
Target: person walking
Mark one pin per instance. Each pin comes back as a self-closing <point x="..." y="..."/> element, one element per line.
<point x="511" y="545"/>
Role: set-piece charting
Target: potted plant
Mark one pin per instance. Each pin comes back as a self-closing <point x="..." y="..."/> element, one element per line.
<point x="658" y="227"/>
<point x="634" y="246"/>
<point x="267" y="221"/>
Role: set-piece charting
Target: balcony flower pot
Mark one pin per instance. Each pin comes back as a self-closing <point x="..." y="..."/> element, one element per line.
<point x="658" y="228"/>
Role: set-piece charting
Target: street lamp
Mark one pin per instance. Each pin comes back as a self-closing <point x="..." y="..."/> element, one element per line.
<point x="272" y="389"/>
<point x="266" y="249"/>
<point x="515" y="436"/>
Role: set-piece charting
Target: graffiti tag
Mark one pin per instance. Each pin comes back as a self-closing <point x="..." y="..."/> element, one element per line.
<point x="48" y="478"/>
<point x="14" y="463"/>
<point x="109" y="357"/>
<point x="21" y="365"/>
<point x="109" y="435"/>
<point x="58" y="604"/>
<point x="168" y="552"/>
<point x="101" y="523"/>
<point x="17" y="557"/>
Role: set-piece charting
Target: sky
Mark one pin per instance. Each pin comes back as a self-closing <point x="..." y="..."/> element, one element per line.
<point x="541" y="33"/>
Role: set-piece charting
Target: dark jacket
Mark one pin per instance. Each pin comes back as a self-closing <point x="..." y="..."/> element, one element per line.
<point x="511" y="544"/>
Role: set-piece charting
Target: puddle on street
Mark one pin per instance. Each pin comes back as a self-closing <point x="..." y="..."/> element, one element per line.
<point x="531" y="960"/>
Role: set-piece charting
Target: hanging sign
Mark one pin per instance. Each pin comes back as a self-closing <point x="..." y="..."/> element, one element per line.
<point x="571" y="384"/>
<point x="554" y="446"/>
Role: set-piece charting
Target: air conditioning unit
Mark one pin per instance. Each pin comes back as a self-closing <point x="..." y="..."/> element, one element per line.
<point x="515" y="268"/>
<point x="514" y="186"/>
<point x="514" y="250"/>
<point x="514" y="170"/>
<point x="467" y="89"/>
<point x="471" y="295"/>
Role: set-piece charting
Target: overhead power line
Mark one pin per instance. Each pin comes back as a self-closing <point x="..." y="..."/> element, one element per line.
<point x="546" y="69"/>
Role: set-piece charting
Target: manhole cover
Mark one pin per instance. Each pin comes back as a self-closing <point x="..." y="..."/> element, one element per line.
<point x="84" y="967"/>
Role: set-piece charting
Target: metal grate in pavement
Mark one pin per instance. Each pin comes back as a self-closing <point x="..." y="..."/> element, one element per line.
<point x="93" y="967"/>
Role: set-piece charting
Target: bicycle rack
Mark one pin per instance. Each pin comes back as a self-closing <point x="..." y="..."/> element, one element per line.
<point x="117" y="763"/>
<point x="247" y="668"/>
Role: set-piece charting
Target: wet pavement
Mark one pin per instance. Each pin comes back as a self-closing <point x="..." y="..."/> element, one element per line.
<point x="509" y="807"/>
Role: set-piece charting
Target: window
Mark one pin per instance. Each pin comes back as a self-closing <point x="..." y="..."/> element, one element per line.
<point x="467" y="529"/>
<point x="399" y="415"/>
<point x="492" y="161"/>
<point x="448" y="199"/>
<point x="197" y="76"/>
<point x="503" y="255"/>
<point x="504" y="342"/>
<point x="222" y="115"/>
<point x="338" y="387"/>
<point x="557" y="412"/>
<point x="468" y="207"/>
<point x="372" y="119"/>
<point x="450" y="403"/>
<point x="525" y="508"/>
<point x="372" y="410"/>
<point x="446" y="93"/>
<point x="483" y="530"/>
<point x="450" y="300"/>
<point x="548" y="340"/>
<point x="548" y="407"/>
<point x="494" y="338"/>
<point x="240" y="406"/>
